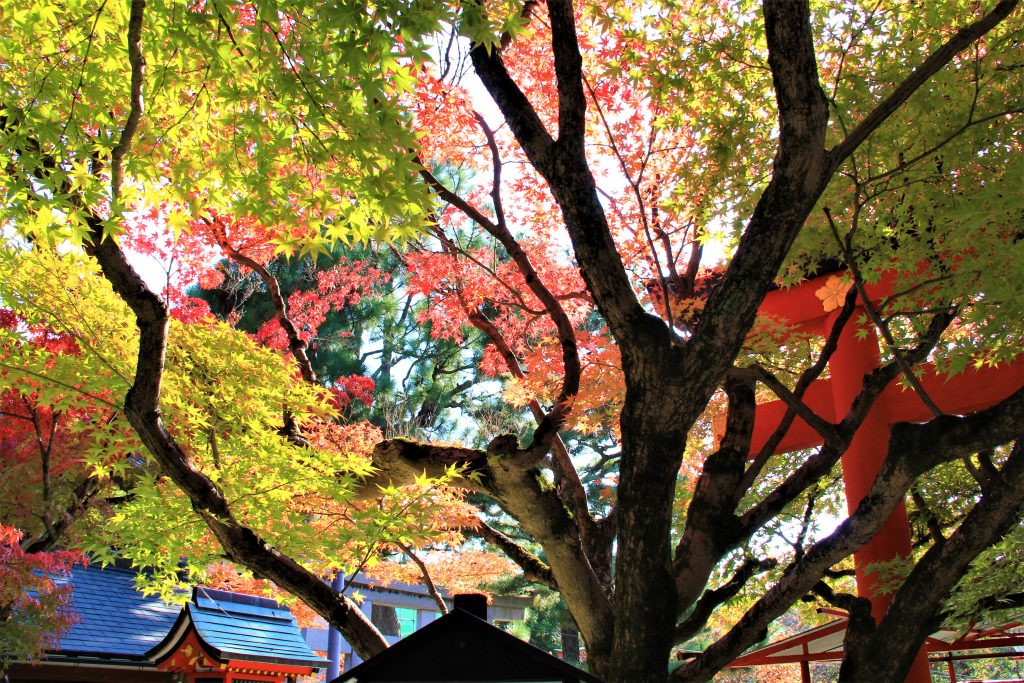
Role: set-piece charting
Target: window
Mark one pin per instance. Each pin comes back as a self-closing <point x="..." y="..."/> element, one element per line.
<point x="406" y="620"/>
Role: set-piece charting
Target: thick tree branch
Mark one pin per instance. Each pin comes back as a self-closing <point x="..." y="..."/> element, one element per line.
<point x="524" y="492"/>
<point x="515" y="483"/>
<point x="514" y="105"/>
<point x="142" y="407"/>
<point x="798" y="178"/>
<point x="527" y="495"/>
<point x="398" y="462"/>
<point x="958" y="42"/>
<point x="916" y="607"/>
<point x="710" y="517"/>
<point x="565" y="169"/>
<point x="572" y="103"/>
<point x="137" y="61"/>
<point x="568" y="483"/>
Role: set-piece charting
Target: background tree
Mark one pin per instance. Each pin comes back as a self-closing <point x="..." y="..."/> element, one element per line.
<point x="784" y="130"/>
<point x="367" y="339"/>
<point x="33" y="607"/>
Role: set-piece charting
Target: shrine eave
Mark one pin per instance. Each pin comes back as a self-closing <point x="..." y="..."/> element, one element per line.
<point x="825" y="643"/>
<point x="240" y="632"/>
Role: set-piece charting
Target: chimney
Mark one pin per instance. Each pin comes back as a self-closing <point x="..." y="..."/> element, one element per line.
<point x="474" y="603"/>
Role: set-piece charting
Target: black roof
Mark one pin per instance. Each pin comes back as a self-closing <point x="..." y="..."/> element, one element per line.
<point x="462" y="647"/>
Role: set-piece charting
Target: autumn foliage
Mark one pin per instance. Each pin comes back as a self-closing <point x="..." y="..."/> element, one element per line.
<point x="33" y="606"/>
<point x="312" y="286"/>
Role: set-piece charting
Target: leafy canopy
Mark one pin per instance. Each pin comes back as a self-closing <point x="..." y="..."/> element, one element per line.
<point x="286" y="112"/>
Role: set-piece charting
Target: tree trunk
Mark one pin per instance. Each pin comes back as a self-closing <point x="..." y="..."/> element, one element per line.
<point x="645" y="592"/>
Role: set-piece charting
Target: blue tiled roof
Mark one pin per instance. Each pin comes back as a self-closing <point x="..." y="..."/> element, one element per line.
<point x="114" y="619"/>
<point x="246" y="628"/>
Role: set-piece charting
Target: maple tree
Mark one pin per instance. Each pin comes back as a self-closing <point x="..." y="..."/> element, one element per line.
<point x="569" y="225"/>
<point x="33" y="612"/>
<point x="45" y="494"/>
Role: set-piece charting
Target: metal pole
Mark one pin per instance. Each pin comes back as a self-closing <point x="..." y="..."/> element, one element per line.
<point x="334" y="638"/>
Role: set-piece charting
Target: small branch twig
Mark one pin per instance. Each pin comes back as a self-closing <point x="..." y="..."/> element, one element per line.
<point x="665" y="294"/>
<point x="876" y="319"/>
<point x="427" y="581"/>
<point x="296" y="344"/>
<point x="533" y="568"/>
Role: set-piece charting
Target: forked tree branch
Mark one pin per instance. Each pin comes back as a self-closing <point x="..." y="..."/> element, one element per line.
<point x="818" y="465"/>
<point x="569" y="485"/>
<point x="807" y="378"/>
<point x="916" y="609"/>
<point x="710" y="519"/>
<point x="546" y="437"/>
<point x="555" y="418"/>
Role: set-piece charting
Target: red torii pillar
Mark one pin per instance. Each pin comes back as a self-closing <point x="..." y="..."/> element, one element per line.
<point x="802" y="307"/>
